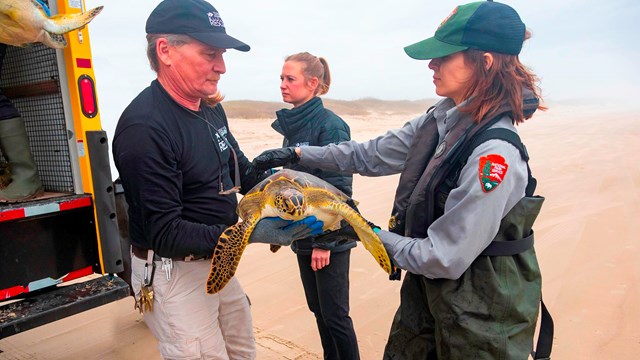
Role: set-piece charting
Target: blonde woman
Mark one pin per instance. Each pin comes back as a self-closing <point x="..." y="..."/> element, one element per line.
<point x="323" y="260"/>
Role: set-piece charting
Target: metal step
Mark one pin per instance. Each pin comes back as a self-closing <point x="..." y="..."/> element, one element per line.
<point x="60" y="302"/>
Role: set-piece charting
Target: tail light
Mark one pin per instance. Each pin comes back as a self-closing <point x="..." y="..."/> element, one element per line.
<point x="88" y="101"/>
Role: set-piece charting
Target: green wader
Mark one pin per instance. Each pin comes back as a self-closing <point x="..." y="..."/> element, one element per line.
<point x="25" y="183"/>
<point x="490" y="312"/>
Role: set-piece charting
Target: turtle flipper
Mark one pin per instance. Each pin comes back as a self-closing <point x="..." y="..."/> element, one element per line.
<point x="63" y="23"/>
<point x="274" y="248"/>
<point x="54" y="41"/>
<point x="227" y="253"/>
<point x="369" y="239"/>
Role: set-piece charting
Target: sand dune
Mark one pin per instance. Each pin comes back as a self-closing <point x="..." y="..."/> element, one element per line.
<point x="584" y="158"/>
<point x="250" y="109"/>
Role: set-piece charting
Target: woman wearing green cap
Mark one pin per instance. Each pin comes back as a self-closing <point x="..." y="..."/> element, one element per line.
<point x="464" y="207"/>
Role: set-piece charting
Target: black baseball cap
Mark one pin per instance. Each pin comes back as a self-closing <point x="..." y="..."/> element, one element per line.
<point x="195" y="18"/>
<point x="482" y="25"/>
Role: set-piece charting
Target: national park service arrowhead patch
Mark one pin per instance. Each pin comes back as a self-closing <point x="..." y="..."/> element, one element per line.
<point x="492" y="170"/>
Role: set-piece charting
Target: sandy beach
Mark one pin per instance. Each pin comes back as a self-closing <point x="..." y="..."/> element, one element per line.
<point x="584" y="157"/>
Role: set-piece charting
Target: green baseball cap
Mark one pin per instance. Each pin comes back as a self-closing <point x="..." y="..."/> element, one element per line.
<point x="482" y="25"/>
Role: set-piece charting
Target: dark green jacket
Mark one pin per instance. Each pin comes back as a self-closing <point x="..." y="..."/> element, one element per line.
<point x="313" y="125"/>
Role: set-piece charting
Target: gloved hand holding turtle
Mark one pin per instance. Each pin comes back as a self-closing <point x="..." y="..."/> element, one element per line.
<point x="396" y="273"/>
<point x="275" y="157"/>
<point x="346" y="231"/>
<point x="352" y="204"/>
<point x="274" y="230"/>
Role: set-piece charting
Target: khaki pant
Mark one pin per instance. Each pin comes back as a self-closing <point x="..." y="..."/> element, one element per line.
<point x="191" y="324"/>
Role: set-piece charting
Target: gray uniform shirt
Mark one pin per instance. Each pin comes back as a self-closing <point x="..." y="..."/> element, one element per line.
<point x="471" y="217"/>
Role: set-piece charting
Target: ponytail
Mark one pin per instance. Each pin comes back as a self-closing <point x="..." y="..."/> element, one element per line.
<point x="314" y="66"/>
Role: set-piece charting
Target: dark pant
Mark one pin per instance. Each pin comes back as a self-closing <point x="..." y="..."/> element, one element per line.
<point x="327" y="293"/>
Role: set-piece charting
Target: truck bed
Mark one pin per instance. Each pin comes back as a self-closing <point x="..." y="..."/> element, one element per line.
<point x="59" y="302"/>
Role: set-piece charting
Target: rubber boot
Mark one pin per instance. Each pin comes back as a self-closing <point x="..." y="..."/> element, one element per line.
<point x="5" y="175"/>
<point x="25" y="183"/>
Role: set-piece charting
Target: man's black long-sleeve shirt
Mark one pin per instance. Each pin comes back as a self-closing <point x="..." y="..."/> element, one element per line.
<point x="171" y="165"/>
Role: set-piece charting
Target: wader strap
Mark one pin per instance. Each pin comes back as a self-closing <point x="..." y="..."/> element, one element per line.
<point x="545" y="336"/>
<point x="512" y="138"/>
<point x="509" y="248"/>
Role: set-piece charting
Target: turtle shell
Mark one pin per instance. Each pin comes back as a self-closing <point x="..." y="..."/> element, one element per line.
<point x="264" y="197"/>
<point x="290" y="195"/>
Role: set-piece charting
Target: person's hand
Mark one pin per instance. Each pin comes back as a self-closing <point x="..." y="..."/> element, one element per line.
<point x="319" y="258"/>
<point x="352" y="204"/>
<point x="346" y="230"/>
<point x="273" y="230"/>
<point x="275" y="157"/>
<point x="396" y="272"/>
<point x="257" y="175"/>
<point x="344" y="233"/>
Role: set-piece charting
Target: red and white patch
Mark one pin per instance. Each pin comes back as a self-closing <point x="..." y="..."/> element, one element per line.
<point x="492" y="169"/>
<point x="448" y="17"/>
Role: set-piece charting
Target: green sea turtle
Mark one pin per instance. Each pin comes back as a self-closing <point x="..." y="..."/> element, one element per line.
<point x="27" y="21"/>
<point x="290" y="195"/>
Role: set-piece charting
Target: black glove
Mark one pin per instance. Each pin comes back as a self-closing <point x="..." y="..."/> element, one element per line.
<point x="275" y="157"/>
<point x="343" y="234"/>
<point x="274" y="230"/>
<point x="257" y="175"/>
<point x="352" y="204"/>
<point x="396" y="272"/>
<point x="345" y="231"/>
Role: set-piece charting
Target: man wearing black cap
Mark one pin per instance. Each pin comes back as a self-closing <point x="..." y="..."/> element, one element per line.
<point x="180" y="169"/>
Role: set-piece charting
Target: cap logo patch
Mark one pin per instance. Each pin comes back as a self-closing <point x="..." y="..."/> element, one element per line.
<point x="448" y="17"/>
<point x="215" y="19"/>
<point x="491" y="170"/>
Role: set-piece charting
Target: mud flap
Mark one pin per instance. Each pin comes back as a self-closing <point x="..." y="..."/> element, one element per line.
<point x="123" y="227"/>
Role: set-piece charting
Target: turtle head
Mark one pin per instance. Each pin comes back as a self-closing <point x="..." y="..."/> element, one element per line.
<point x="291" y="204"/>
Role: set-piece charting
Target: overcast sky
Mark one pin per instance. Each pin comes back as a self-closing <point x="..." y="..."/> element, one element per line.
<point x="581" y="49"/>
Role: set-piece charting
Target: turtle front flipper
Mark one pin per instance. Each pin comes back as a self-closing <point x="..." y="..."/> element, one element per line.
<point x="53" y="41"/>
<point x="227" y="253"/>
<point x="369" y="239"/>
<point x="63" y="23"/>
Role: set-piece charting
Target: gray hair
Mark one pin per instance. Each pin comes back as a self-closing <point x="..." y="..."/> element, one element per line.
<point x="172" y="39"/>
